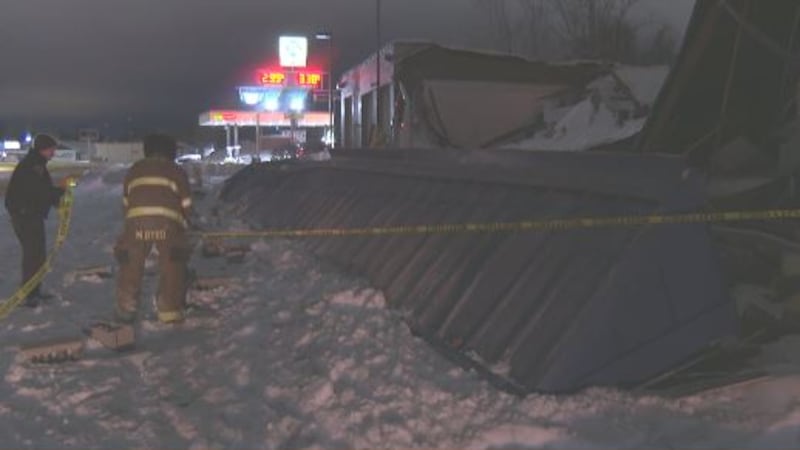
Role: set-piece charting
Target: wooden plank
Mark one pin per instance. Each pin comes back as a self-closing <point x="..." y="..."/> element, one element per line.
<point x="211" y="283"/>
<point x="113" y="336"/>
<point x="54" y="350"/>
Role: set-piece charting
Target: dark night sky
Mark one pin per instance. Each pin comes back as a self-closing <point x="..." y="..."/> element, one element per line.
<point x="159" y="63"/>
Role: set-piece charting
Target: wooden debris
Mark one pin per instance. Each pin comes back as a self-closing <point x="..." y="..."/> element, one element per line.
<point x="236" y="254"/>
<point x="103" y="272"/>
<point x="211" y="283"/>
<point x="113" y="336"/>
<point x="235" y="257"/>
<point x="54" y="350"/>
<point x="213" y="248"/>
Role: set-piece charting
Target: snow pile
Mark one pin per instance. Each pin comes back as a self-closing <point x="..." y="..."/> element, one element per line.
<point x="583" y="127"/>
<point x="611" y="112"/>
<point x="296" y="354"/>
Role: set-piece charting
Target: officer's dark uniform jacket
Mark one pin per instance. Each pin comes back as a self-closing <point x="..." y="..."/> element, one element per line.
<point x="30" y="191"/>
<point x="29" y="197"/>
<point x="157" y="203"/>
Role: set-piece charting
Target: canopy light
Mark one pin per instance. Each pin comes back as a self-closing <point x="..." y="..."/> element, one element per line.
<point x="271" y="104"/>
<point x="251" y="97"/>
<point x="297" y="103"/>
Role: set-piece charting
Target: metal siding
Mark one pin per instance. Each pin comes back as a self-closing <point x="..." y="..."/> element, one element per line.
<point x="546" y="311"/>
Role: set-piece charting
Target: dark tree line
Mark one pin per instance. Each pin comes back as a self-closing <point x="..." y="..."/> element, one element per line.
<point x="585" y="29"/>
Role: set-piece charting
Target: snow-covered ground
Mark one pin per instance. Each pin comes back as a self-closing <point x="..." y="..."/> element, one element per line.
<point x="301" y="355"/>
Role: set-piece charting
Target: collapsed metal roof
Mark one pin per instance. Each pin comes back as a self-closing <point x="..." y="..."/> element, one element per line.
<point x="736" y="77"/>
<point x="537" y="312"/>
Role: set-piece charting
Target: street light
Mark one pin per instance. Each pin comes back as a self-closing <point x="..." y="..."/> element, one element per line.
<point x="378" y="44"/>
<point x="328" y="36"/>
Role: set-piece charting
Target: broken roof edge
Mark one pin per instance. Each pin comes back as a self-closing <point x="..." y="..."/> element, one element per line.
<point x="704" y="15"/>
<point x="416" y="46"/>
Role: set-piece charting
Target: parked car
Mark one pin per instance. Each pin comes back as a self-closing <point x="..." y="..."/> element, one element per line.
<point x="188" y="158"/>
<point x="287" y="152"/>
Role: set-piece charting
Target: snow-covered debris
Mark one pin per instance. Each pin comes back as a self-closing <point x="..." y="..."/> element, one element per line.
<point x="615" y="108"/>
<point x="585" y="126"/>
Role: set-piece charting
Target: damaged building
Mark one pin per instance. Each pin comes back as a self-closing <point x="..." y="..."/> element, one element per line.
<point x="434" y="96"/>
<point x="560" y="310"/>
<point x="730" y="108"/>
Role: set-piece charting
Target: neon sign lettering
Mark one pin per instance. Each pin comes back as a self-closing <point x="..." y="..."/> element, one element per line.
<point x="278" y="78"/>
<point x="309" y="78"/>
<point x="271" y="78"/>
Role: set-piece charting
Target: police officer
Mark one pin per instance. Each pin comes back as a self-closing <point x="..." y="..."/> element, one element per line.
<point x="29" y="197"/>
<point x="157" y="204"/>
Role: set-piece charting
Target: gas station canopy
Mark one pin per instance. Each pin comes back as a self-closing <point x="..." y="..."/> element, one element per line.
<point x="221" y="118"/>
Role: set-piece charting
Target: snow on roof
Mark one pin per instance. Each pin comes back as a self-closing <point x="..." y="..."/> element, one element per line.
<point x="476" y="50"/>
<point x="582" y="128"/>
<point x="484" y="51"/>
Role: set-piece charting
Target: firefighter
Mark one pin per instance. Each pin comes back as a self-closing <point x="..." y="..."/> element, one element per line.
<point x="29" y="197"/>
<point x="157" y="204"/>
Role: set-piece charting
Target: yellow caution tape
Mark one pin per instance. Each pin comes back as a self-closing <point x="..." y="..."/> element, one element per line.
<point x="64" y="216"/>
<point x="528" y="225"/>
<point x="65" y="212"/>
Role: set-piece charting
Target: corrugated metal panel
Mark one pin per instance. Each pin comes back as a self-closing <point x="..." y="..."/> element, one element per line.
<point x="543" y="311"/>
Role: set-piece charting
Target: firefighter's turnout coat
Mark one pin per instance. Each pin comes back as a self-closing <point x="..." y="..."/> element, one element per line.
<point x="157" y="203"/>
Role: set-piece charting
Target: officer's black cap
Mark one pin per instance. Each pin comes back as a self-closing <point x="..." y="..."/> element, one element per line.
<point x="44" y="141"/>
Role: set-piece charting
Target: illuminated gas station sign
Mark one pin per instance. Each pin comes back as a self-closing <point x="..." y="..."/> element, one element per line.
<point x="300" y="78"/>
<point x="272" y="78"/>
<point x="293" y="51"/>
<point x="225" y="116"/>
<point x="217" y="118"/>
<point x="312" y="79"/>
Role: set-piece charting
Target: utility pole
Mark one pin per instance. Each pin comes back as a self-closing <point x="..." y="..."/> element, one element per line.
<point x="378" y="65"/>
<point x="330" y="92"/>
<point x="328" y="36"/>
<point x="258" y="132"/>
